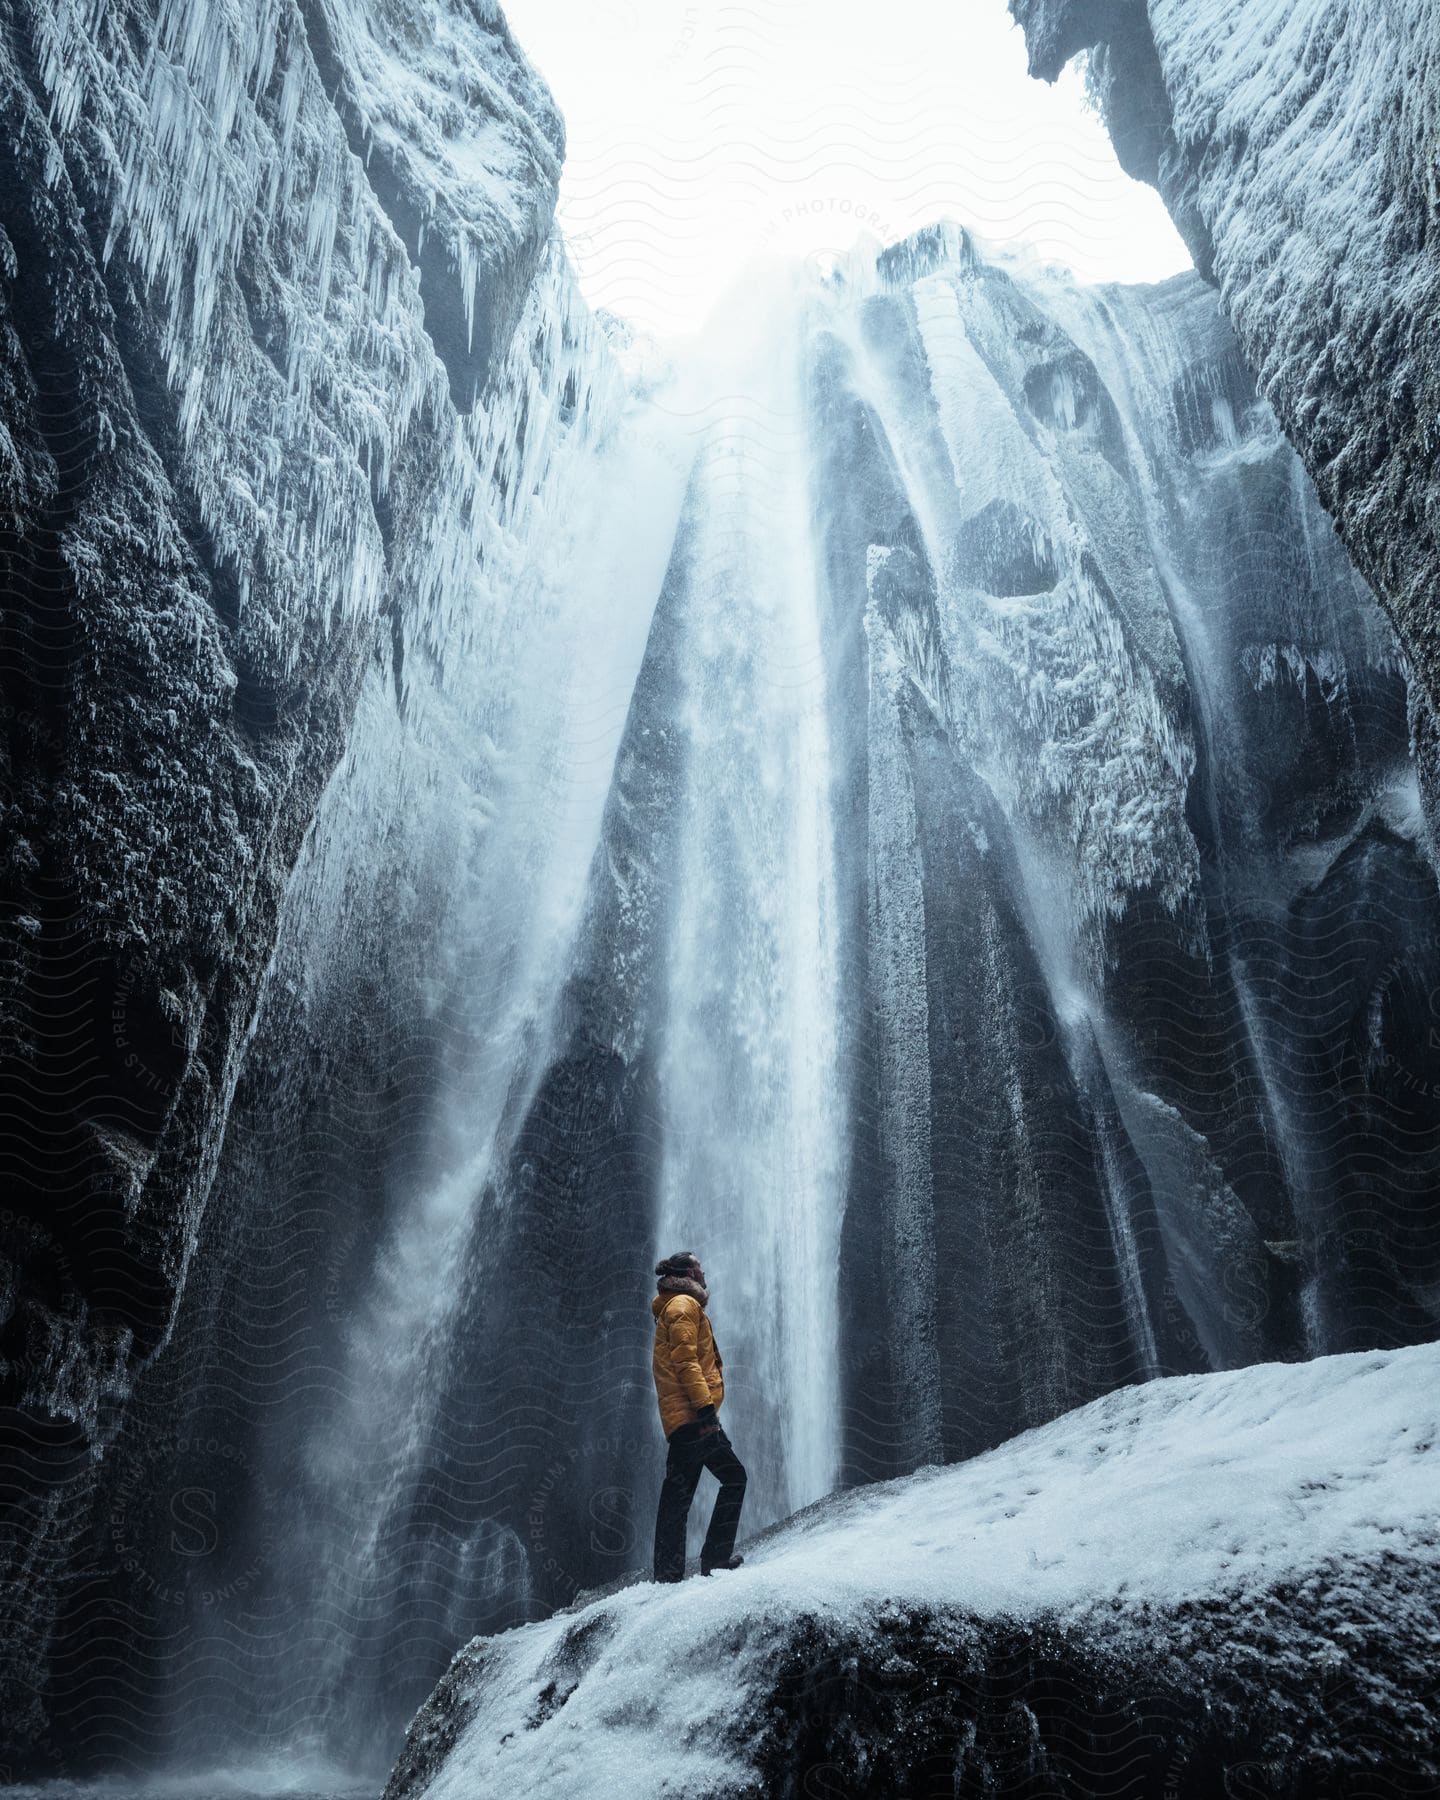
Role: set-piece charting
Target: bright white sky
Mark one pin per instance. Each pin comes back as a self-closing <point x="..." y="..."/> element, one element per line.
<point x="701" y="134"/>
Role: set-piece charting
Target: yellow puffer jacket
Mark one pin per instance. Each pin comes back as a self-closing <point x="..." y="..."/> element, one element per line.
<point x="686" y="1365"/>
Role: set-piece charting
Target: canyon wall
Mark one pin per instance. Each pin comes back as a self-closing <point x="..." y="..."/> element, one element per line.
<point x="1298" y="150"/>
<point x="262" y="277"/>
<point x="973" y="889"/>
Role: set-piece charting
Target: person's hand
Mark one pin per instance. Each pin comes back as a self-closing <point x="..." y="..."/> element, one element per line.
<point x="708" y="1421"/>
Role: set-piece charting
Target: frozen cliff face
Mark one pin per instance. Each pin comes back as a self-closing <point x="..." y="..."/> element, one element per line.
<point x="266" y="426"/>
<point x="1135" y="746"/>
<point x="1217" y="1584"/>
<point x="1297" y="148"/>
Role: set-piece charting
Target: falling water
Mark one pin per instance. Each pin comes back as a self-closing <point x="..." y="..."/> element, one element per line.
<point x="564" y="706"/>
<point x="507" y="765"/>
<point x="754" y="1115"/>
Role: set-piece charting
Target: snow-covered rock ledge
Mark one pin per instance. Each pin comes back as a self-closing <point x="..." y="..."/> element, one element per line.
<point x="1206" y="1581"/>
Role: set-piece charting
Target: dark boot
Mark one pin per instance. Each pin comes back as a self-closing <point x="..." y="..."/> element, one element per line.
<point x="730" y="1562"/>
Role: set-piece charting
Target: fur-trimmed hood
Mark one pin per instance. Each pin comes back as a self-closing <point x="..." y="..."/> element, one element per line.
<point x="681" y="1284"/>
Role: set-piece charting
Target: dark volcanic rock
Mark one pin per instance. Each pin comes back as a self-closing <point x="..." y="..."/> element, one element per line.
<point x="1297" y="155"/>
<point x="224" y="424"/>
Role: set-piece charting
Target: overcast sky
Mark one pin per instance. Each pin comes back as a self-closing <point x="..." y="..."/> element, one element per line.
<point x="700" y="134"/>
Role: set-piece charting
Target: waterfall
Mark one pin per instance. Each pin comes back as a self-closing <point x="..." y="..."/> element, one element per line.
<point x="597" y="547"/>
<point x="487" y="785"/>
<point x="753" y="1109"/>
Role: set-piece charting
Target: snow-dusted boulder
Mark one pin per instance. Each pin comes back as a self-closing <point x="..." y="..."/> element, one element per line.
<point x="1211" y="1584"/>
<point x="1296" y="144"/>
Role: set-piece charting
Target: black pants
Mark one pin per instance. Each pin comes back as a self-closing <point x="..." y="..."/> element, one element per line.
<point x="689" y="1454"/>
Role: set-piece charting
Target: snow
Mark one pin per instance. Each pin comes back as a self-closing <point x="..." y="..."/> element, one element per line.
<point x="1191" y="1489"/>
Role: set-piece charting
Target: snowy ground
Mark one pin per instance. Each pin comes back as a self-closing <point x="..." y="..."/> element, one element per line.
<point x="1209" y="1488"/>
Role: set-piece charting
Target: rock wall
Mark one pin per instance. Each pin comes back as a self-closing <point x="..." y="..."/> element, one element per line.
<point x="1111" y="921"/>
<point x="1297" y="148"/>
<point x="259" y="270"/>
<point x="973" y="890"/>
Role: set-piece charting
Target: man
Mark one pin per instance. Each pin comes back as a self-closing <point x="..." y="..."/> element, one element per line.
<point x="690" y="1384"/>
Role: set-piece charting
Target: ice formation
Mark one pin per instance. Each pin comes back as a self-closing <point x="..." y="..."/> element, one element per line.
<point x="1296" y="147"/>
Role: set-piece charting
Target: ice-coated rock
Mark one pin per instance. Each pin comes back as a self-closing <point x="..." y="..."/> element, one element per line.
<point x="1212" y="1584"/>
<point x="1296" y="146"/>
<point x="261" y="269"/>
<point x="1090" y="609"/>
